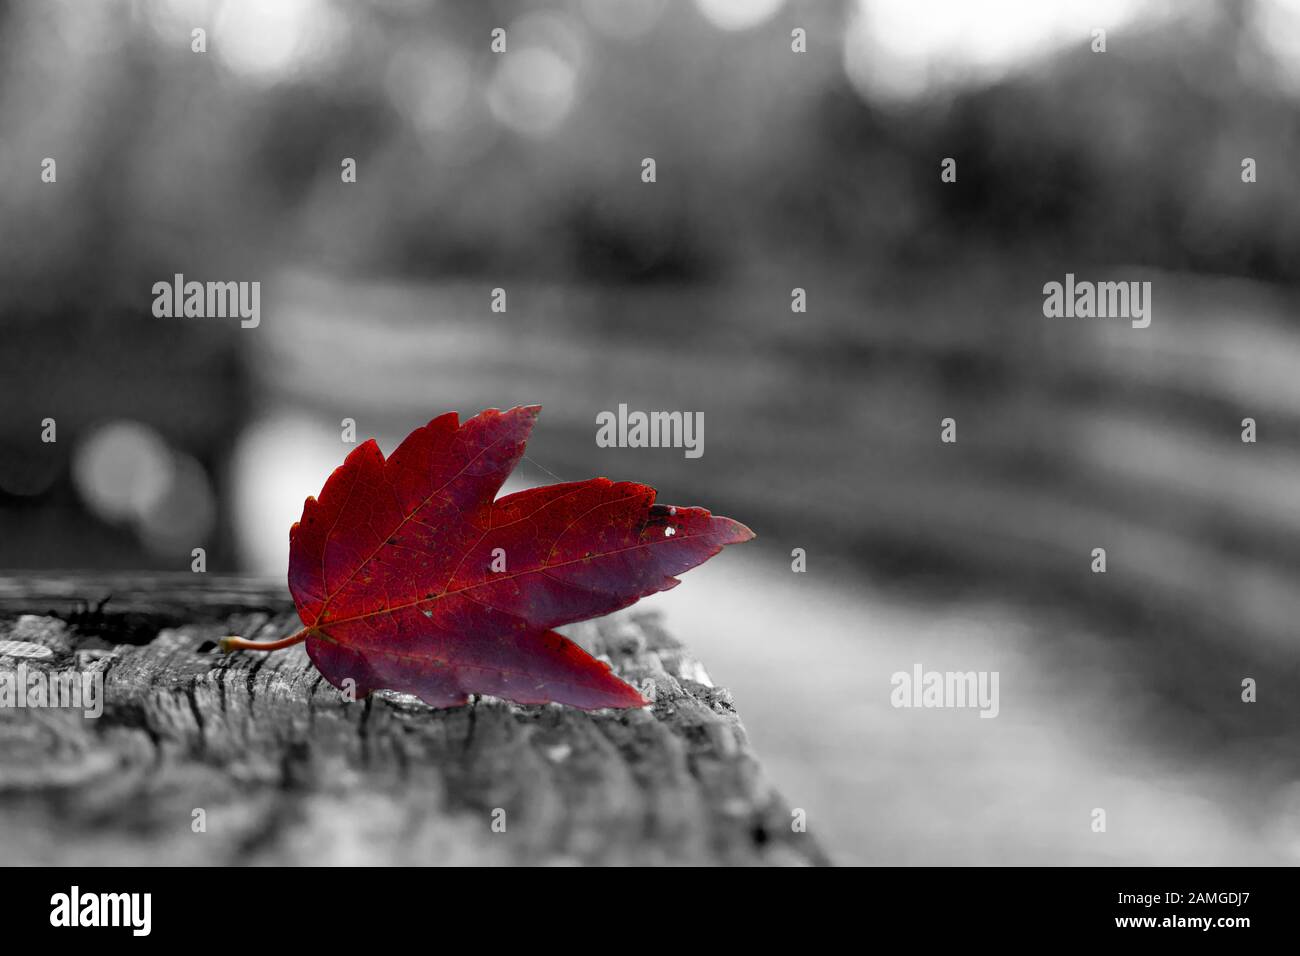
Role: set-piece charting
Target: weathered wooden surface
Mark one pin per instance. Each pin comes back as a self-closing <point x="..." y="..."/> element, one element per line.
<point x="288" y="772"/>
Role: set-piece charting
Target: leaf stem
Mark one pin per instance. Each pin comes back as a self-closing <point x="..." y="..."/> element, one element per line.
<point x="228" y="644"/>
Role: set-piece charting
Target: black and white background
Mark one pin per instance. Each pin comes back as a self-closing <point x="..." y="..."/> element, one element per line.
<point x="853" y="213"/>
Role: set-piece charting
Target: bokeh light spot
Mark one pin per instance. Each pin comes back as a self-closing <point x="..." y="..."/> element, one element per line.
<point x="122" y="470"/>
<point x="738" y="14"/>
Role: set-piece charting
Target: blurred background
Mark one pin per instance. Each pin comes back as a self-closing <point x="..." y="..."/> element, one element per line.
<point x="775" y="170"/>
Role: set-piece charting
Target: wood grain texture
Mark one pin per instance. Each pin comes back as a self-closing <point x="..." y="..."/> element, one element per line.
<point x="289" y="772"/>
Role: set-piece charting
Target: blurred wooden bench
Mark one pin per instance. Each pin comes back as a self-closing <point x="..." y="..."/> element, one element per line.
<point x="205" y="758"/>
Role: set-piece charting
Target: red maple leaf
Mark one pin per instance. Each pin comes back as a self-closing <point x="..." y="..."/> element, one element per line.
<point x="409" y="576"/>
